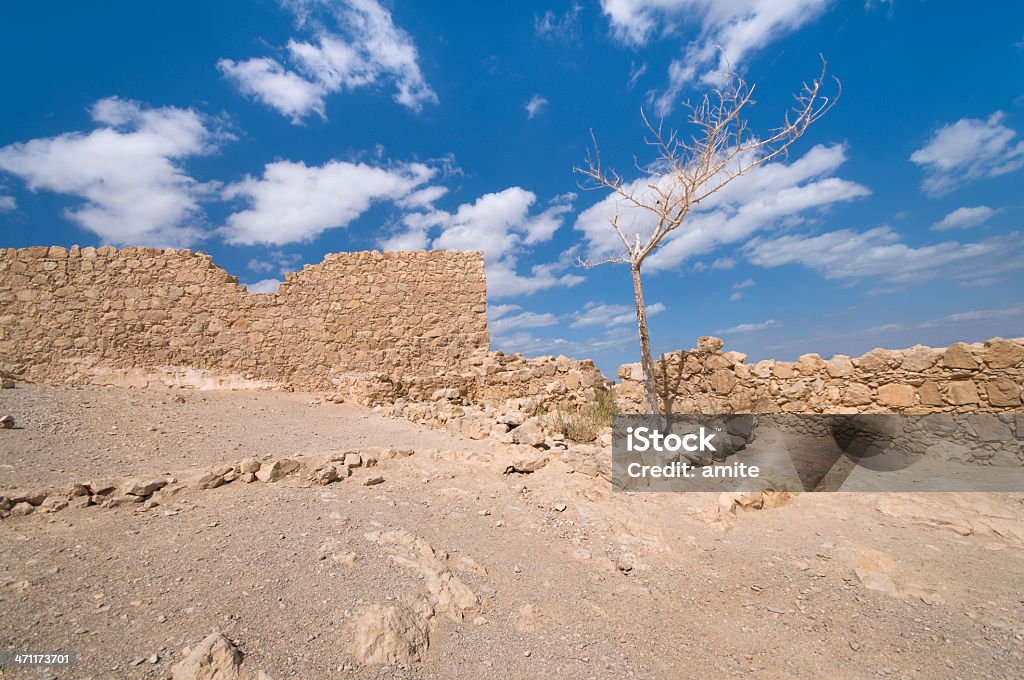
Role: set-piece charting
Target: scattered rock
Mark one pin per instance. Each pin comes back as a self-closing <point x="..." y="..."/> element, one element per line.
<point x="248" y="465"/>
<point x="142" y="488"/>
<point x="276" y="470"/>
<point x="7" y="422"/>
<point x="529" y="433"/>
<point x="215" y="658"/>
<point x="7" y="384"/>
<point x="526" y="463"/>
<point x="353" y="460"/>
<point x="22" y="509"/>
<point x="373" y="481"/>
<point x="389" y="635"/>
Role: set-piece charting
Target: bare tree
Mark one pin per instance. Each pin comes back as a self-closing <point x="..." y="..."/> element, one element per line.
<point x="689" y="169"/>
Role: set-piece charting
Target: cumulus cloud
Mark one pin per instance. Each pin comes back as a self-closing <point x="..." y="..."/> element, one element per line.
<point x="266" y="80"/>
<point x="502" y="225"/>
<point x="355" y="44"/>
<point x="293" y="202"/>
<point x="880" y="254"/>
<point x="727" y="32"/>
<point x="535" y="104"/>
<point x="761" y="199"/>
<point x="128" y="171"/>
<point x="965" y="218"/>
<point x="967" y="150"/>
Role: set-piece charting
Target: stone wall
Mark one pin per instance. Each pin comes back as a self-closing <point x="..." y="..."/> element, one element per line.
<point x="962" y="378"/>
<point x="141" y="316"/>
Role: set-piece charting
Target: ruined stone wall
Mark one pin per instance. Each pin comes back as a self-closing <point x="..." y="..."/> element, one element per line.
<point x="962" y="378"/>
<point x="148" y="316"/>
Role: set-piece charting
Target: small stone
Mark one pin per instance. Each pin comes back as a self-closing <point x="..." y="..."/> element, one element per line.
<point x="22" y="509"/>
<point x="353" y="460"/>
<point x="560" y="507"/>
<point x="7" y="422"/>
<point x="209" y="480"/>
<point x="276" y="470"/>
<point x="248" y="465"/>
<point x="527" y="653"/>
<point x="373" y="481"/>
<point x="6" y="384"/>
<point x="154" y="659"/>
<point x="854" y="645"/>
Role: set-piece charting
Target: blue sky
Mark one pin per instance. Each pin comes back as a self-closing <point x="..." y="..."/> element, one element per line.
<point x="270" y="133"/>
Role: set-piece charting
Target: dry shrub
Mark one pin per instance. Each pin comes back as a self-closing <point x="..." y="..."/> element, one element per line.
<point x="585" y="423"/>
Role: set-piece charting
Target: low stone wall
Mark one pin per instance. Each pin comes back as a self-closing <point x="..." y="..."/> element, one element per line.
<point x="962" y="378"/>
<point x="138" y="316"/>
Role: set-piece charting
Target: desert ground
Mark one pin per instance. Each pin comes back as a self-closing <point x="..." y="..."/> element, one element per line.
<point x="428" y="558"/>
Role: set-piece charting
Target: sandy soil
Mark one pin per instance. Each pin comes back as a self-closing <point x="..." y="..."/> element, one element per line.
<point x="573" y="580"/>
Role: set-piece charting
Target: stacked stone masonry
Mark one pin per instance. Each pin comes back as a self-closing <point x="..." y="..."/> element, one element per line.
<point x="962" y="378"/>
<point x="148" y="316"/>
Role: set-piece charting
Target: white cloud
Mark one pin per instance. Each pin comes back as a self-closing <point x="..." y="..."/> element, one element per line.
<point x="761" y="199"/>
<point x="743" y="284"/>
<point x="748" y="327"/>
<point x="497" y="311"/>
<point x="636" y="73"/>
<point x="502" y="226"/>
<point x="967" y="150"/>
<point x="269" y="82"/>
<point x="369" y="49"/>
<point x="128" y="171"/>
<point x="974" y="315"/>
<point x="294" y="202"/>
<point x="736" y="297"/>
<point x="7" y="203"/>
<point x="600" y="314"/>
<point x="535" y="104"/>
<point x="264" y="286"/>
<point x="561" y="28"/>
<point x="275" y="261"/>
<point x="965" y="218"/>
<point x="879" y="253"/>
<point x="504" y="324"/>
<point x="727" y="32"/>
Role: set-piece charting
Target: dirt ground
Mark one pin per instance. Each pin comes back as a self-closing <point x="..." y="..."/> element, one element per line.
<point x="570" y="579"/>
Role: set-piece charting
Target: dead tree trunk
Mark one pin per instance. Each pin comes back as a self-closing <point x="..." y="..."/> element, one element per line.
<point x="646" y="362"/>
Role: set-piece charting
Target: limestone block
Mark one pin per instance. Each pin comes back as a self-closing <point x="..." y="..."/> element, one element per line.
<point x="896" y="395"/>
<point x="958" y="355"/>
<point x="962" y="392"/>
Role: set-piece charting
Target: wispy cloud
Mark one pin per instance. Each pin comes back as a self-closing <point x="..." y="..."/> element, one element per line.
<point x="727" y="33"/>
<point x="535" y="104"/>
<point x="563" y="28"/>
<point x="880" y="254"/>
<point x="968" y="150"/>
<point x="749" y="327"/>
